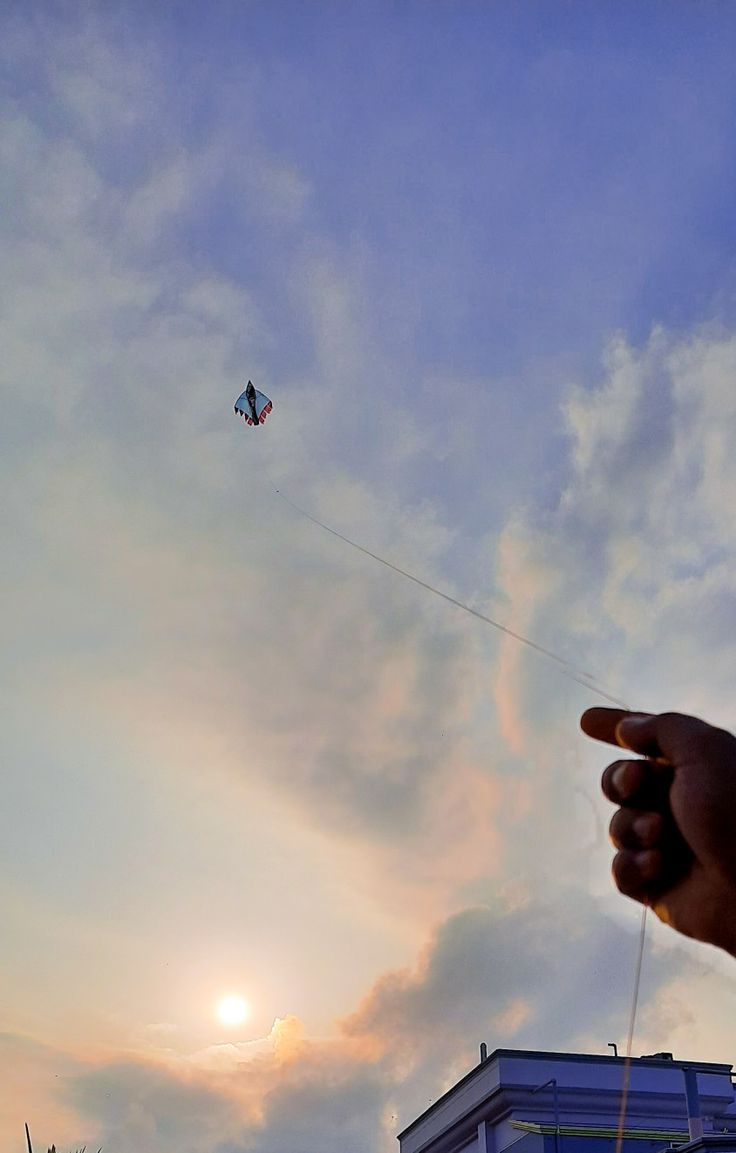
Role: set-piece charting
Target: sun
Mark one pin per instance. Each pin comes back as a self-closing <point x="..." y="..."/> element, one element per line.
<point x="233" y="1010"/>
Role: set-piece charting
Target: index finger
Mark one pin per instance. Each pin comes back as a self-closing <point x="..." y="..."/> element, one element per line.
<point x="601" y="724"/>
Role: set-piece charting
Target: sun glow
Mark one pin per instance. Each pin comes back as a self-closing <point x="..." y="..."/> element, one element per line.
<point x="233" y="1010"/>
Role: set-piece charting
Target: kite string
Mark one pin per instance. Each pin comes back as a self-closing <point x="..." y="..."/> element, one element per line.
<point x="630" y="1037"/>
<point x="566" y="667"/>
<point x="568" y="670"/>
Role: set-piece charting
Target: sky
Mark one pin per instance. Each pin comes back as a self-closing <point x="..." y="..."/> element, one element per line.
<point x="482" y="258"/>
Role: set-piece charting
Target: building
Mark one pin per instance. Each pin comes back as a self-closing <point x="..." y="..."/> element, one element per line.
<point x="571" y="1103"/>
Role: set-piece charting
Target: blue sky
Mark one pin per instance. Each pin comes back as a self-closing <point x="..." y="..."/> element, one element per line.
<point x="481" y="256"/>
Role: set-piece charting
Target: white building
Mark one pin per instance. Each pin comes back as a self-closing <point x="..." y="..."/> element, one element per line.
<point x="571" y="1103"/>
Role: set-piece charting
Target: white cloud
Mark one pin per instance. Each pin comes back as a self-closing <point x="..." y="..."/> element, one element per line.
<point x="639" y="551"/>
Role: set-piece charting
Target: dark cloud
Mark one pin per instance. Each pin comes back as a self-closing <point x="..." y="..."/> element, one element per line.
<point x="148" y="1107"/>
<point x="321" y="1111"/>
<point x="538" y="976"/>
<point x="320" y="1099"/>
<point x="570" y="966"/>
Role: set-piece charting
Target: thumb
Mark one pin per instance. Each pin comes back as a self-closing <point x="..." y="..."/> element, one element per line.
<point x="667" y="737"/>
<point x="638" y="732"/>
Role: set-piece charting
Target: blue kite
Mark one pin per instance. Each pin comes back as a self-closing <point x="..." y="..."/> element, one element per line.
<point x="252" y="405"/>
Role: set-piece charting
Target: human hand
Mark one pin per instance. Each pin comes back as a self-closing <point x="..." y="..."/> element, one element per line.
<point x="675" y="829"/>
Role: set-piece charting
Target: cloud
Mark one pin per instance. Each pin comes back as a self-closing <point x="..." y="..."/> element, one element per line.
<point x="139" y="364"/>
<point x="535" y="974"/>
<point x="290" y="1091"/>
<point x="530" y="975"/>
<point x="629" y="576"/>
<point x="150" y="1106"/>
<point x="640" y="548"/>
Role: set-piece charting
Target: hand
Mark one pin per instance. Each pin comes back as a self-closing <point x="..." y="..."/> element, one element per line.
<point x="675" y="829"/>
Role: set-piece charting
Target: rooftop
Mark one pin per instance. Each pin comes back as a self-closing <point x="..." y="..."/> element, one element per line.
<point x="519" y="1091"/>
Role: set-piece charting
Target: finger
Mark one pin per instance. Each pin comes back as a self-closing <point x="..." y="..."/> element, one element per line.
<point x="674" y="737"/>
<point x="639" y="733"/>
<point x="601" y="723"/>
<point x="639" y="874"/>
<point x="637" y="829"/>
<point x="637" y="785"/>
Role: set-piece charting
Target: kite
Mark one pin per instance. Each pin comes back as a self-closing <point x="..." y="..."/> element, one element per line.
<point x="252" y="405"/>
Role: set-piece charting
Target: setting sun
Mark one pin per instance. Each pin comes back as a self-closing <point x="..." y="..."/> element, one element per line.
<point x="233" y="1010"/>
